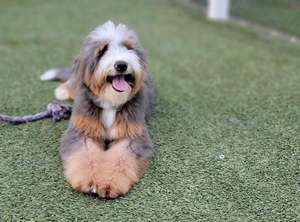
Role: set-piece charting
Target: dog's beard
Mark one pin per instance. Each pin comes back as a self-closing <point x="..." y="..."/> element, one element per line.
<point x="113" y="87"/>
<point x="113" y="90"/>
<point x="115" y="97"/>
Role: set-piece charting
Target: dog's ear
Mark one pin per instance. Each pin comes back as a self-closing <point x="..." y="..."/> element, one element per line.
<point x="83" y="67"/>
<point x="87" y="61"/>
<point x="76" y="78"/>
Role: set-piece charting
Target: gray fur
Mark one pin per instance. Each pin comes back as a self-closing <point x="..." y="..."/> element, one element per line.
<point x="71" y="141"/>
<point x="138" y="109"/>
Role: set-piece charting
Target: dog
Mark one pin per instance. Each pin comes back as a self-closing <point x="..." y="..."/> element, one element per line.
<point x="106" y="147"/>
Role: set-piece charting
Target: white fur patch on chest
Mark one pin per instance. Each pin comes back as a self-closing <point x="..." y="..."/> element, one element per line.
<point x="108" y="117"/>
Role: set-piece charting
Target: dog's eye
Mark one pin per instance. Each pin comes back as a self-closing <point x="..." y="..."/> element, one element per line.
<point x="102" y="52"/>
<point x="129" y="47"/>
<point x="128" y="44"/>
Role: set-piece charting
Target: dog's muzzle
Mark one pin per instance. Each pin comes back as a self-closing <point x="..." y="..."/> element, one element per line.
<point x="120" y="82"/>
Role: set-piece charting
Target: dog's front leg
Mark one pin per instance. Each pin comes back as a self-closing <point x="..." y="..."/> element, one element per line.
<point x="89" y="168"/>
<point x="82" y="160"/>
<point x="124" y="163"/>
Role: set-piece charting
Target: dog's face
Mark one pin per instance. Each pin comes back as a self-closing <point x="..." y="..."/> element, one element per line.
<point x="111" y="63"/>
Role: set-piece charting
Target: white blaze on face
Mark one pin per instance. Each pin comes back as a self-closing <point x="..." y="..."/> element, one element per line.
<point x="117" y="52"/>
<point x="114" y="36"/>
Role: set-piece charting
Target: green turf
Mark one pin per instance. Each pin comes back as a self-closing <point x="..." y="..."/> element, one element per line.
<point x="221" y="90"/>
<point x="283" y="15"/>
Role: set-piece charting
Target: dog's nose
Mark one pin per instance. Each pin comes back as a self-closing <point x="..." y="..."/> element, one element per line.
<point x="120" y="66"/>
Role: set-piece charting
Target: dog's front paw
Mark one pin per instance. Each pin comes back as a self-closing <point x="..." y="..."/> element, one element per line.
<point x="120" y="170"/>
<point x="108" y="173"/>
<point x="105" y="182"/>
<point x="115" y="185"/>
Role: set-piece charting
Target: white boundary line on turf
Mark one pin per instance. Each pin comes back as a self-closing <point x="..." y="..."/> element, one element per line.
<point x="252" y="25"/>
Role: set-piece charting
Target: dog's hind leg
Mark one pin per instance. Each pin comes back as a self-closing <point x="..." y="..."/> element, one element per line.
<point x="62" y="92"/>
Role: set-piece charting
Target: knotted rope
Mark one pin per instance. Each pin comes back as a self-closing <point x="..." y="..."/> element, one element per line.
<point x="55" y="110"/>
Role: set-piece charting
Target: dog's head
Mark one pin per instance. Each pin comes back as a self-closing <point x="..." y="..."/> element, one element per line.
<point x="111" y="63"/>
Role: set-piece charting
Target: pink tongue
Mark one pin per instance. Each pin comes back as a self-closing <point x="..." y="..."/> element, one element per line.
<point x="119" y="83"/>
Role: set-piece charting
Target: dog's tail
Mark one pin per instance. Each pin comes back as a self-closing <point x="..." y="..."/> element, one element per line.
<point x="59" y="74"/>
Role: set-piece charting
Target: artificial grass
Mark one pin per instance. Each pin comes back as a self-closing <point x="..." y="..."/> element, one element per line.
<point x="281" y="15"/>
<point x="277" y="14"/>
<point x="225" y="125"/>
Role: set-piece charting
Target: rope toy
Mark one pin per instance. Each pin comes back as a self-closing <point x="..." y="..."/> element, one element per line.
<point x="55" y="110"/>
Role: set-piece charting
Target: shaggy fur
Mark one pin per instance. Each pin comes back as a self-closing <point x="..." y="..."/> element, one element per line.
<point x="106" y="148"/>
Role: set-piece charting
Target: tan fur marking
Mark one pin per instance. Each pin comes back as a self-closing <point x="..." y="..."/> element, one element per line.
<point x="96" y="83"/>
<point x="94" y="128"/>
<point x="126" y="129"/>
<point x="110" y="173"/>
<point x="101" y="46"/>
<point x="120" y="170"/>
<point x="62" y="92"/>
<point x="129" y="43"/>
<point x="87" y="124"/>
<point x="139" y="81"/>
<point x="82" y="167"/>
<point x="65" y="87"/>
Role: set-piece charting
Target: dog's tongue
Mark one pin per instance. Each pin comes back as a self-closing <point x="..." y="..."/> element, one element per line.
<point x="119" y="83"/>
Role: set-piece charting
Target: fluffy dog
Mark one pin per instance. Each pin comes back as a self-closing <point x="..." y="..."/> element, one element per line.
<point x="106" y="148"/>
